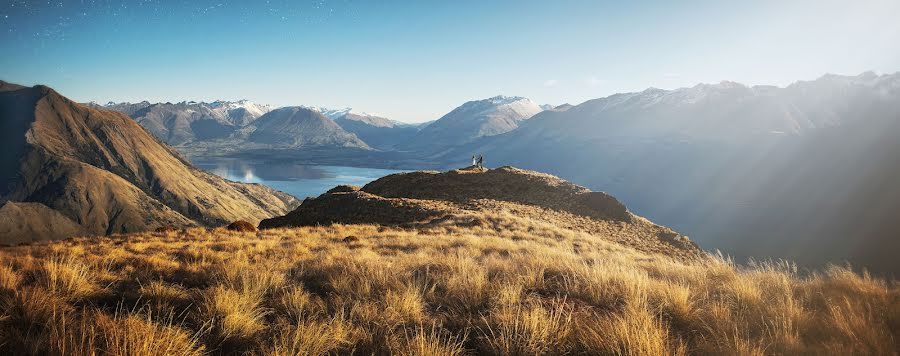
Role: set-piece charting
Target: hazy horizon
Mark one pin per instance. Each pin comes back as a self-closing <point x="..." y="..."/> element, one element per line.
<point x="416" y="62"/>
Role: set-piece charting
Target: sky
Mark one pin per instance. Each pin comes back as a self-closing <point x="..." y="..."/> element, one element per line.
<point x="415" y="61"/>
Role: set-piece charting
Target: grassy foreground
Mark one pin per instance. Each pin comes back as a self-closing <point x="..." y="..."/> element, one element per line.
<point x="505" y="286"/>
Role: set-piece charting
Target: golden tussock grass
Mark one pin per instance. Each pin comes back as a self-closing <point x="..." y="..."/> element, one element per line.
<point x="523" y="288"/>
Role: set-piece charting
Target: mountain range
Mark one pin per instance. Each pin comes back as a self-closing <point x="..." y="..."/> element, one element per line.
<point x="805" y="172"/>
<point x="795" y="172"/>
<point x="243" y="127"/>
<point x="73" y="169"/>
<point x="497" y="261"/>
<point x="189" y="121"/>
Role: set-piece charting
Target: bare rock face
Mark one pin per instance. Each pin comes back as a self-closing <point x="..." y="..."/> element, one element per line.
<point x="106" y="174"/>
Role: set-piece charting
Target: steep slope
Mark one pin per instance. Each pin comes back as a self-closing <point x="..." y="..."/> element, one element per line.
<point x="378" y="132"/>
<point x="473" y="120"/>
<point x="799" y="172"/>
<point x="301" y="127"/>
<point x="102" y="171"/>
<point x="422" y="199"/>
<point x="27" y="222"/>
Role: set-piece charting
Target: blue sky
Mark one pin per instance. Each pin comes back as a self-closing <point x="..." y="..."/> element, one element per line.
<point x="414" y="61"/>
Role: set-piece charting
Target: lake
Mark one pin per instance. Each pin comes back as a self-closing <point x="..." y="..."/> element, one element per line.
<point x="298" y="180"/>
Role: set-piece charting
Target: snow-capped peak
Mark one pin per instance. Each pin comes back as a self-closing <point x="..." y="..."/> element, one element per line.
<point x="502" y="99"/>
<point x="329" y="113"/>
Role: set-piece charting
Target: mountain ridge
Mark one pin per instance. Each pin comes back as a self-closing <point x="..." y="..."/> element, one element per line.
<point x="104" y="172"/>
<point x="473" y="120"/>
<point x="421" y="199"/>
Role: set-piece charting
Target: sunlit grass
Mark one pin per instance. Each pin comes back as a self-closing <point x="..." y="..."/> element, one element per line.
<point x="444" y="291"/>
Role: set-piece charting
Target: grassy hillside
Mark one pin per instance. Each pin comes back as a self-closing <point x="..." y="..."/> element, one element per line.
<point x="496" y="284"/>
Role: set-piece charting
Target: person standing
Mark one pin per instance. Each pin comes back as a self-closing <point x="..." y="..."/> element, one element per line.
<point x="481" y="161"/>
<point x="474" y="161"/>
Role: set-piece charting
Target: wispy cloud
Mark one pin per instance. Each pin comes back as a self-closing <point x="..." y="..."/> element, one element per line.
<point x="551" y="83"/>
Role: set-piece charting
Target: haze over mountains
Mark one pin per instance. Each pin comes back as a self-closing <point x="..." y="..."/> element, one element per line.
<point x="72" y="169"/>
<point x="473" y="120"/>
<point x="795" y="172"/>
<point x="376" y="131"/>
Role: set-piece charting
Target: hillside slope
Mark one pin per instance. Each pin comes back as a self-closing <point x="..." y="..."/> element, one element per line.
<point x="422" y="199"/>
<point x="104" y="172"/>
<point x="498" y="281"/>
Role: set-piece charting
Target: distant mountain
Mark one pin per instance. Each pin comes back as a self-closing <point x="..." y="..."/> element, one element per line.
<point x="378" y="132"/>
<point x="125" y="107"/>
<point x="807" y="172"/>
<point x="189" y="121"/>
<point x="328" y="112"/>
<point x="473" y="120"/>
<point x="296" y="127"/>
<point x="67" y="168"/>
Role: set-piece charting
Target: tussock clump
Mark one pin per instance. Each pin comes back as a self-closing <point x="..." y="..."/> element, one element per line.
<point x="431" y="341"/>
<point x="134" y="335"/>
<point x="66" y="277"/>
<point x="636" y="330"/>
<point x="165" y="298"/>
<point x="313" y="338"/>
<point x="9" y="279"/>
<point x="530" y="329"/>
<point x="237" y="316"/>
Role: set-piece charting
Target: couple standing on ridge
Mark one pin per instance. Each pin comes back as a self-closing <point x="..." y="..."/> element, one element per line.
<point x="478" y="161"/>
